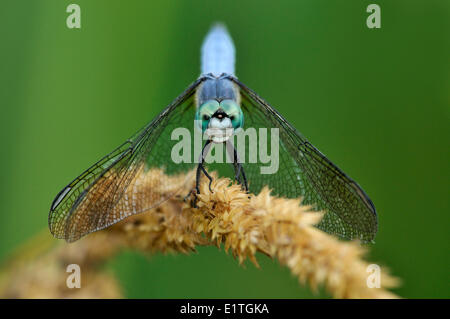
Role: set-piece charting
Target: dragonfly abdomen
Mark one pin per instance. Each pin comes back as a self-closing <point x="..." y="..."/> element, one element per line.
<point x="218" y="53"/>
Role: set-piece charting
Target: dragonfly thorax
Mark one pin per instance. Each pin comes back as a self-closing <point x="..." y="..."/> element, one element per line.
<point x="217" y="88"/>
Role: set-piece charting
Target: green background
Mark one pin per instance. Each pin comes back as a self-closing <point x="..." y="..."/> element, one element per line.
<point x="375" y="101"/>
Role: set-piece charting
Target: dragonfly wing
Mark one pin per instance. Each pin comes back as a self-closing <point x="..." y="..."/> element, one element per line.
<point x="117" y="186"/>
<point x="306" y="172"/>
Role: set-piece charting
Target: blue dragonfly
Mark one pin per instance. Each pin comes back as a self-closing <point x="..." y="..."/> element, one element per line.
<point x="220" y="105"/>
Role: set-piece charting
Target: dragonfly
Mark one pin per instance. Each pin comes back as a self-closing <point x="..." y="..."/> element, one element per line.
<point x="108" y="191"/>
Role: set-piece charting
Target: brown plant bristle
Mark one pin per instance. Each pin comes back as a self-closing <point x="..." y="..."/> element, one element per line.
<point x="245" y="224"/>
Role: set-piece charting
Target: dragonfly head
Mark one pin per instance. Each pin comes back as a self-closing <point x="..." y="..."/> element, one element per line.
<point x="219" y="120"/>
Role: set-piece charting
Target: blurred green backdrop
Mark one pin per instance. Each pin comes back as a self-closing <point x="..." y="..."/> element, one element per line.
<point x="375" y="101"/>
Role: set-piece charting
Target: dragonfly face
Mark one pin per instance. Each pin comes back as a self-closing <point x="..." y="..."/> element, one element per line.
<point x="219" y="104"/>
<point x="219" y="120"/>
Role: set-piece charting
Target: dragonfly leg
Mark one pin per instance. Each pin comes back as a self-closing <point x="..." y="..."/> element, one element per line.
<point x="244" y="178"/>
<point x="197" y="188"/>
<point x="239" y="170"/>
<point x="233" y="154"/>
<point x="207" y="175"/>
<point x="200" y="169"/>
<point x="197" y="178"/>
<point x="188" y="195"/>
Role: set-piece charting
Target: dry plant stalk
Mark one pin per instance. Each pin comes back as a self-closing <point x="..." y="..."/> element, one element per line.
<point x="277" y="227"/>
<point x="38" y="269"/>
